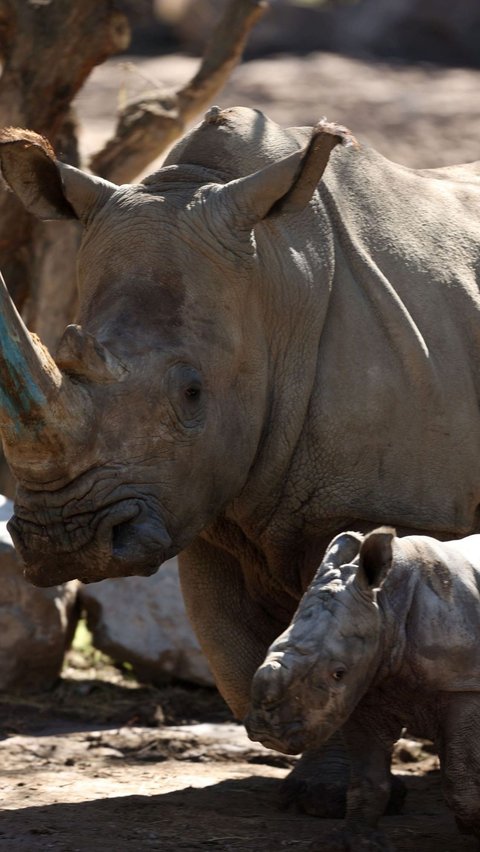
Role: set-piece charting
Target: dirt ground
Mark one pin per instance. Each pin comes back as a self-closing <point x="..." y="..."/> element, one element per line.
<point x="103" y="764"/>
<point x="421" y="116"/>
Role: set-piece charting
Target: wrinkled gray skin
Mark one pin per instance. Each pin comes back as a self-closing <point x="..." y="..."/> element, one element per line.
<point x="261" y="363"/>
<point x="386" y="636"/>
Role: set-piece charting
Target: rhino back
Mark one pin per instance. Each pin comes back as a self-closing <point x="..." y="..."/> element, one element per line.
<point x="395" y="411"/>
<point x="436" y="598"/>
<point x="381" y="272"/>
<point x="376" y="300"/>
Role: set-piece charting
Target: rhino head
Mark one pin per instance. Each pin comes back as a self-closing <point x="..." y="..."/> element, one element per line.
<point x="316" y="672"/>
<point x="145" y="425"/>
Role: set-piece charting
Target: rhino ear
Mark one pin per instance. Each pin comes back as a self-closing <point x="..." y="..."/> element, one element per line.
<point x="343" y="549"/>
<point x="375" y="558"/>
<point x="47" y="188"/>
<point x="287" y="185"/>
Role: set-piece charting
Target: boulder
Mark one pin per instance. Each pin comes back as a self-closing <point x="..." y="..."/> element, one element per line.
<point x="36" y="625"/>
<point x="142" y="621"/>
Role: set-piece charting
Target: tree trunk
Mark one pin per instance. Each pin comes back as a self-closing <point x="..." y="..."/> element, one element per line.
<point x="36" y="89"/>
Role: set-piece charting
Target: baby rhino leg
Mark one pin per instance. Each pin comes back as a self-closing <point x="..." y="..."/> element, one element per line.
<point x="368" y="792"/>
<point x="460" y="759"/>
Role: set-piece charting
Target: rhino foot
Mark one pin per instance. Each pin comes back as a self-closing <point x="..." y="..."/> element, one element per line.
<point x="318" y="783"/>
<point x="465" y="827"/>
<point x="314" y="797"/>
<point x="319" y="788"/>
<point x="348" y="841"/>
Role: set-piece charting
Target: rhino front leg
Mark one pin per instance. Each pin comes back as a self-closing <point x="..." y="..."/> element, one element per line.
<point x="318" y="783"/>
<point x="460" y="759"/>
<point x="368" y="792"/>
<point x="234" y="632"/>
<point x="370" y="779"/>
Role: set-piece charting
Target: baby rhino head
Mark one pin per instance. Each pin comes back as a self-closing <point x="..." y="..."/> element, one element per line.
<point x="318" y="669"/>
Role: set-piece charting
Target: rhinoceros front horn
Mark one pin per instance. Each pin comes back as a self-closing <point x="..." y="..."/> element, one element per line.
<point x="40" y="408"/>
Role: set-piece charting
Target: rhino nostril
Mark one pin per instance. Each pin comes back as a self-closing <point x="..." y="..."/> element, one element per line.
<point x="141" y="537"/>
<point x="131" y="539"/>
<point x="123" y="536"/>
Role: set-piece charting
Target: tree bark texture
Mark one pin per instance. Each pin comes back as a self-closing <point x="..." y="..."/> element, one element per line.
<point x="48" y="48"/>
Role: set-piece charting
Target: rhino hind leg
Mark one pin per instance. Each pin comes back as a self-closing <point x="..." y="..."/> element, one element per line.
<point x="318" y="784"/>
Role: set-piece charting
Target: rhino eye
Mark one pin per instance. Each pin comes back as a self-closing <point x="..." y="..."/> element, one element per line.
<point x="339" y="673"/>
<point x="185" y="393"/>
<point x="192" y="392"/>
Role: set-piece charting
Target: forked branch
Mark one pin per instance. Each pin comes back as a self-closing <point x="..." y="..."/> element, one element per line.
<point x="149" y="125"/>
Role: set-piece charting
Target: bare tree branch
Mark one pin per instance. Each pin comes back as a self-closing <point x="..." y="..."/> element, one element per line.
<point x="148" y="126"/>
<point x="43" y="70"/>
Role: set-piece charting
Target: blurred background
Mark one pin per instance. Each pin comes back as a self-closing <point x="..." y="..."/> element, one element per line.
<point x="400" y="73"/>
<point x="410" y="30"/>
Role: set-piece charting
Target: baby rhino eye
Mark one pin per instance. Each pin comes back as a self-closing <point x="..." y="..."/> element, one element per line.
<point x="339" y="673"/>
<point x="192" y="392"/>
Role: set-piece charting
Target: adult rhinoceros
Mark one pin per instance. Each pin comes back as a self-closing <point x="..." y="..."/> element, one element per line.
<point x="261" y="361"/>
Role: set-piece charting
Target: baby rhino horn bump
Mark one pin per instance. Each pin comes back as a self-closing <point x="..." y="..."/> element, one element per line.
<point x="269" y="683"/>
<point x="81" y="355"/>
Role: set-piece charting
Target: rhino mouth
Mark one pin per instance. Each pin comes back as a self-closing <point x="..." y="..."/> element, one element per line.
<point x="125" y="538"/>
<point x="288" y="738"/>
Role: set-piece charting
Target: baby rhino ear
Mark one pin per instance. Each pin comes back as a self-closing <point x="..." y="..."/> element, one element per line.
<point x="375" y="558"/>
<point x="342" y="549"/>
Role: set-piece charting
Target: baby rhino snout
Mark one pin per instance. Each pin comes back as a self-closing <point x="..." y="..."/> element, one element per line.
<point x="271" y="719"/>
<point x="269" y="685"/>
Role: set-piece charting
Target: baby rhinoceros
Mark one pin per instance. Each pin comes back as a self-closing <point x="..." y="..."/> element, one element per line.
<point x="386" y="636"/>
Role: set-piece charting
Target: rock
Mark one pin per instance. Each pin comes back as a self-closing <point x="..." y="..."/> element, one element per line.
<point x="142" y="621"/>
<point x="36" y="625"/>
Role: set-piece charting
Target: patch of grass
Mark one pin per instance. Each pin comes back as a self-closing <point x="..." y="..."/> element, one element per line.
<point x="83" y="655"/>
